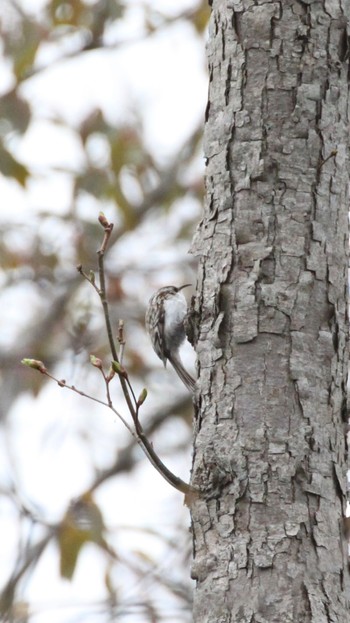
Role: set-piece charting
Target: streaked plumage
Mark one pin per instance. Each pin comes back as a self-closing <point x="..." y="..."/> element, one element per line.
<point x="165" y="316"/>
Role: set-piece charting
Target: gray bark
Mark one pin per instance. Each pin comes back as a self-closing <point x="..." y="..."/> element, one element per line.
<point x="272" y="336"/>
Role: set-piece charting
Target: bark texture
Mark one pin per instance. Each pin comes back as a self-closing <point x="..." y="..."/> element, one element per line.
<point x="272" y="336"/>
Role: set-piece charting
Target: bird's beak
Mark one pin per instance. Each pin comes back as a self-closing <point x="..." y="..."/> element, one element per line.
<point x="185" y="286"/>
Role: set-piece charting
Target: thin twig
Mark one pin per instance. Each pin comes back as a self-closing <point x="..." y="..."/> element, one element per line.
<point x="126" y="386"/>
<point x="88" y="278"/>
<point x="62" y="383"/>
<point x="138" y="435"/>
<point x="108" y="228"/>
<point x="121" y="340"/>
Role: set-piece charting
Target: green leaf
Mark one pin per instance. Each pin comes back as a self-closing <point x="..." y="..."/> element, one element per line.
<point x="70" y="541"/>
<point x="10" y="167"/>
<point x="15" y="111"/>
<point x="25" y="48"/>
<point x="82" y="523"/>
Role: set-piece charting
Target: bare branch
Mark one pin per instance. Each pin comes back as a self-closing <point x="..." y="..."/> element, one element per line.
<point x="132" y="402"/>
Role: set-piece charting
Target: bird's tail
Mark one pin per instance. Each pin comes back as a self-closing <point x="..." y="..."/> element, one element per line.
<point x="185" y="377"/>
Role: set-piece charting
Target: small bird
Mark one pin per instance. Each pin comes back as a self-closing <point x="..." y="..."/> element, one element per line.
<point x="165" y="316"/>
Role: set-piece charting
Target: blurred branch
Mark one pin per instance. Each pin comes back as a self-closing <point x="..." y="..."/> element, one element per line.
<point x="94" y="35"/>
<point x="32" y="557"/>
<point x="125" y="461"/>
<point x="167" y="177"/>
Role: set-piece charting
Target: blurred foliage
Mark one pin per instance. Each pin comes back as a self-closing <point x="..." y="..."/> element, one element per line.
<point x="39" y="249"/>
<point x="10" y="167"/>
<point x="129" y="178"/>
<point x="82" y="523"/>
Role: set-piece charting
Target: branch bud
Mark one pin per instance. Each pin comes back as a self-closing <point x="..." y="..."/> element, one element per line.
<point x="119" y="369"/>
<point x="96" y="362"/>
<point x="35" y="364"/>
<point x="142" y="397"/>
<point x="102" y="219"/>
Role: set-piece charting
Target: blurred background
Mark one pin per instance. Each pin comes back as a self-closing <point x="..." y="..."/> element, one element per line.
<point x="101" y="109"/>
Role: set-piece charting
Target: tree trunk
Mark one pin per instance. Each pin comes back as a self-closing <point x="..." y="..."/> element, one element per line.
<point x="272" y="337"/>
